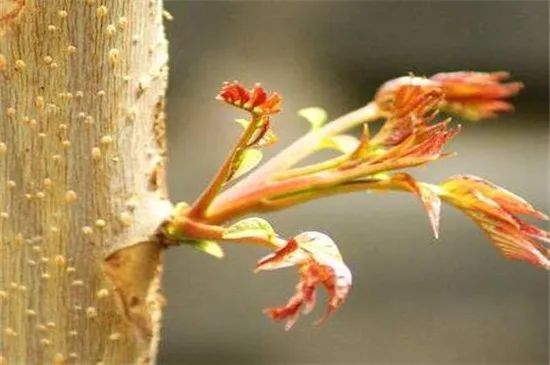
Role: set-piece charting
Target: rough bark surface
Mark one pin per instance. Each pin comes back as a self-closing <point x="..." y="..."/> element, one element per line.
<point x="82" y="191"/>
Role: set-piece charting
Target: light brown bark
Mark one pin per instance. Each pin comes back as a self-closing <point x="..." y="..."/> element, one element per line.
<point x="82" y="189"/>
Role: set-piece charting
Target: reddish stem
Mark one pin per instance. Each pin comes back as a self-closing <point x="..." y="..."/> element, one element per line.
<point x="257" y="183"/>
<point x="200" y="206"/>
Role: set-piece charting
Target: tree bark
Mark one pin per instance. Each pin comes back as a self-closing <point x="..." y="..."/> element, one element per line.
<point x="82" y="189"/>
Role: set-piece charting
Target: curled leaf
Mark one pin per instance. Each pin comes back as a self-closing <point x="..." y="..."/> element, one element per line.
<point x="255" y="101"/>
<point x="250" y="227"/>
<point x="320" y="263"/>
<point x="315" y="116"/>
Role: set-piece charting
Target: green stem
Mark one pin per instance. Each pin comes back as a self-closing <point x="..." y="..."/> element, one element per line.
<point x="309" y="169"/>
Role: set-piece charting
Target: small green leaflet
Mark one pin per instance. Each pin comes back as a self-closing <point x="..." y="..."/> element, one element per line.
<point x="315" y="116"/>
<point x="250" y="227"/>
<point x="242" y="122"/>
<point x="246" y="161"/>
<point x="209" y="247"/>
<point x="342" y="142"/>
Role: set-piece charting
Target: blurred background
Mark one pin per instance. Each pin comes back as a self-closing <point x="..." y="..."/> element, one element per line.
<point x="415" y="300"/>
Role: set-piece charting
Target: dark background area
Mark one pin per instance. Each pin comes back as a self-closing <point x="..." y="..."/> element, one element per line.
<point x="415" y="300"/>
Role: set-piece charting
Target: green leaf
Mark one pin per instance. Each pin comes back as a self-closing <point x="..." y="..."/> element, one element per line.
<point x="315" y="116"/>
<point x="242" y="122"/>
<point x="342" y="142"/>
<point x="319" y="245"/>
<point x="250" y="227"/>
<point x="211" y="248"/>
<point x="246" y="161"/>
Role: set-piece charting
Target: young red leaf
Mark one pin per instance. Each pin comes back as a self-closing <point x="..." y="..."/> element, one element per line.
<point x="427" y="195"/>
<point x="410" y="107"/>
<point x="255" y="101"/>
<point x="472" y="95"/>
<point x="508" y="200"/>
<point x="395" y="93"/>
<point x="421" y="146"/>
<point x="320" y="263"/>
<point x="494" y="209"/>
<point x="407" y="138"/>
<point x="476" y="95"/>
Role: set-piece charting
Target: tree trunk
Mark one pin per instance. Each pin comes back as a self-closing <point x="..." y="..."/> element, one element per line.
<point x="82" y="189"/>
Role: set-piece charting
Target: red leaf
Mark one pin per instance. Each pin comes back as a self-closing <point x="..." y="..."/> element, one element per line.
<point x="494" y="209"/>
<point x="429" y="198"/>
<point x="473" y="95"/>
<point x="476" y="95"/>
<point x="320" y="263"/>
<point x="255" y="101"/>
